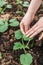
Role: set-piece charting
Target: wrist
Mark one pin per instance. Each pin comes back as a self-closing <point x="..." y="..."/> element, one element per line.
<point x="30" y="12"/>
<point x="30" y="15"/>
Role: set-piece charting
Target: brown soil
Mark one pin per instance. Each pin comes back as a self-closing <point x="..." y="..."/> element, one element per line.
<point x="7" y="39"/>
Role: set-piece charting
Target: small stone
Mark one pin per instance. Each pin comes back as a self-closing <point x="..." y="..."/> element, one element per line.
<point x="11" y="32"/>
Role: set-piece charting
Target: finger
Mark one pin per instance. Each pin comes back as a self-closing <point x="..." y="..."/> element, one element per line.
<point x="26" y="28"/>
<point x="37" y="31"/>
<point x="41" y="36"/>
<point x="22" y="28"/>
<point x="31" y="29"/>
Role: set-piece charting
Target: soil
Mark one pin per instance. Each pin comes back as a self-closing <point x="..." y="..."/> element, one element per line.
<point x="7" y="39"/>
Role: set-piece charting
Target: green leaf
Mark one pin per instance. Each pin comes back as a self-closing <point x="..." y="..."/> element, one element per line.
<point x="0" y="55"/>
<point x="14" y="22"/>
<point x="9" y="6"/>
<point x="18" y="34"/>
<point x="26" y="59"/>
<point x="17" y="46"/>
<point x="26" y="47"/>
<point x="20" y="12"/>
<point x="3" y="25"/>
<point x="2" y="3"/>
<point x="19" y="2"/>
<point x="1" y="10"/>
<point x="1" y="22"/>
<point x="26" y="4"/>
<point x="26" y="38"/>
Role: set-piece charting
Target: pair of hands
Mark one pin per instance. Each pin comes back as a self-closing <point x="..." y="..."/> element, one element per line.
<point x="36" y="29"/>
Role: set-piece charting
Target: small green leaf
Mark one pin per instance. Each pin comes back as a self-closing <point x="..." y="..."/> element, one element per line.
<point x="19" y="2"/>
<point x="27" y="47"/>
<point x="20" y="12"/>
<point x="26" y="59"/>
<point x="1" y="10"/>
<point x="9" y="6"/>
<point x="18" y="34"/>
<point x="14" y="22"/>
<point x="2" y="3"/>
<point x="17" y="46"/>
<point x="26" y="4"/>
<point x="0" y="55"/>
<point x="3" y="25"/>
<point x="1" y="22"/>
<point x="26" y="38"/>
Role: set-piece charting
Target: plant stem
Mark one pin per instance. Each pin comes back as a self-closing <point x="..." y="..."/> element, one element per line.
<point x="4" y="9"/>
<point x="27" y="43"/>
<point x="23" y="45"/>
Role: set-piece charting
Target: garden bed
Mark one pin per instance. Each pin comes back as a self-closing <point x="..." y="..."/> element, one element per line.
<point x="9" y="56"/>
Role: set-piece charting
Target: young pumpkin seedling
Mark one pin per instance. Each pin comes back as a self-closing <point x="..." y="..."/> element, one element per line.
<point x="3" y="25"/>
<point x="13" y="22"/>
<point x="25" y="59"/>
<point x="3" y="5"/>
<point x="20" y="12"/>
<point x="19" y="2"/>
<point x="8" y="6"/>
<point x="26" y="4"/>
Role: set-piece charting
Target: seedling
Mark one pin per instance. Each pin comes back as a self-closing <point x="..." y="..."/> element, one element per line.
<point x="4" y="24"/>
<point x="8" y="6"/>
<point x="26" y="4"/>
<point x="25" y="59"/>
<point x="3" y="5"/>
<point x="13" y="22"/>
<point x="19" y="2"/>
<point x="20" y="12"/>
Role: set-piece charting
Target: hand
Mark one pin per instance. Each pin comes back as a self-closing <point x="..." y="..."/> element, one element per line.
<point x="41" y="36"/>
<point x="25" y="23"/>
<point x="37" y="28"/>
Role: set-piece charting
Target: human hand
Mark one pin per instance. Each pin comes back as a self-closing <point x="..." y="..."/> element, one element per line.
<point x="25" y="23"/>
<point x="37" y="28"/>
<point x="41" y="36"/>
